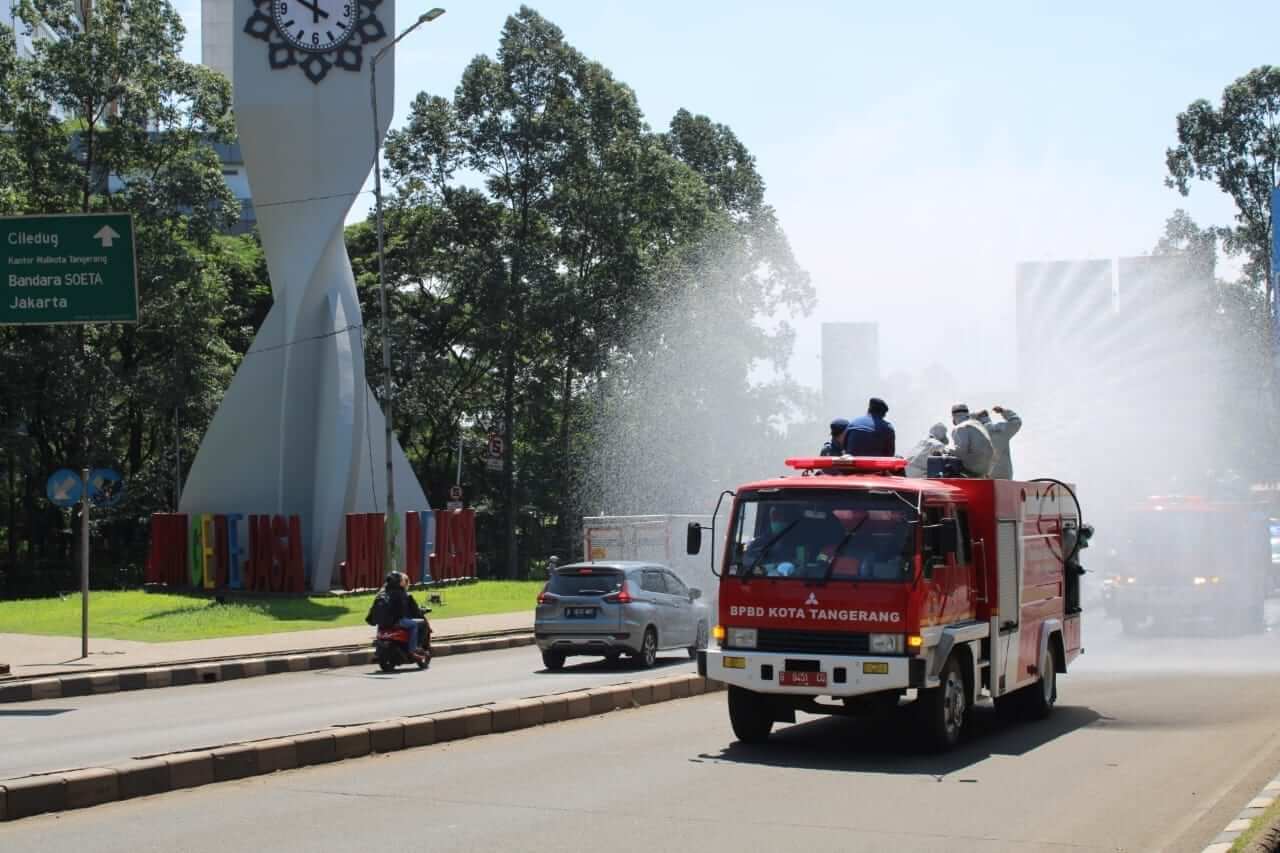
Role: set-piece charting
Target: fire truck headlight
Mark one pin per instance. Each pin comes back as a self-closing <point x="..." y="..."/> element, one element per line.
<point x="1199" y="581"/>
<point x="741" y="638"/>
<point x="887" y="644"/>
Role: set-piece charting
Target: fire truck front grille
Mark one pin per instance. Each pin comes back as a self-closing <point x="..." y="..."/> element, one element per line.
<point x="815" y="643"/>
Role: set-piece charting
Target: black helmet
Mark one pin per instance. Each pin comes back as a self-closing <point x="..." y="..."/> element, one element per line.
<point x="393" y="579"/>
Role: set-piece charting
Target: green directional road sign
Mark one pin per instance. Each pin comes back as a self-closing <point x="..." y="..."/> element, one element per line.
<point x="72" y="268"/>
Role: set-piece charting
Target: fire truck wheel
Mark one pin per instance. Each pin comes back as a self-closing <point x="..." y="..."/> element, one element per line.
<point x="750" y="715"/>
<point x="553" y="660"/>
<point x="1042" y="695"/>
<point x="945" y="708"/>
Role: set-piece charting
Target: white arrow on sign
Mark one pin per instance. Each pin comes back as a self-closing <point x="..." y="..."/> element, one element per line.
<point x="107" y="235"/>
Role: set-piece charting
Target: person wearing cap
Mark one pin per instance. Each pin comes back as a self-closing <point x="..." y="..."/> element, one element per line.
<point x="835" y="446"/>
<point x="871" y="434"/>
<point x="933" y="444"/>
<point x="972" y="442"/>
<point x="1001" y="432"/>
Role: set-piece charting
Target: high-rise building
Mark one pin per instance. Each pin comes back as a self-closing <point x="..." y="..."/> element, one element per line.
<point x="1114" y="363"/>
<point x="850" y="367"/>
<point x="1065" y="313"/>
<point x="216" y="34"/>
<point x="217" y="39"/>
<point x="26" y="35"/>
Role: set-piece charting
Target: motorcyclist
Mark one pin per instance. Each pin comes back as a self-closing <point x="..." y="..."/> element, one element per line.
<point x="403" y="611"/>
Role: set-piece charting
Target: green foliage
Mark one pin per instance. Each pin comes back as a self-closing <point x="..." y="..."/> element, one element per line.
<point x="107" y="117"/>
<point x="538" y="228"/>
<point x="1237" y="147"/>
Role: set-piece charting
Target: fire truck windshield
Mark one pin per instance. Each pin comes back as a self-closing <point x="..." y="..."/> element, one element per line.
<point x="838" y="536"/>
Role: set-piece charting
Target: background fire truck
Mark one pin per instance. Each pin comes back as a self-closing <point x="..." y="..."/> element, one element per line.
<point x="863" y="587"/>
<point x="1190" y="562"/>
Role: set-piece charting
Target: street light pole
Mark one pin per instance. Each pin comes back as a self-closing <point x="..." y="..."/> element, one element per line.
<point x="388" y="392"/>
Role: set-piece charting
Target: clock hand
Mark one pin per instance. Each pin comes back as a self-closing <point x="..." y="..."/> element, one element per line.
<point x="316" y="12"/>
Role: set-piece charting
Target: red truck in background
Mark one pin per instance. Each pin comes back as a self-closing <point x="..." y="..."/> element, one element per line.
<point x="1203" y="563"/>
<point x="859" y="587"/>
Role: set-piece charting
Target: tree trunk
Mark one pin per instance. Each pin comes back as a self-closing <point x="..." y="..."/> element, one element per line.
<point x="564" y="531"/>
<point x="511" y="503"/>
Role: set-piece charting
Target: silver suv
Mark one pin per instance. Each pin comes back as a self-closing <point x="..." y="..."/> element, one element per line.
<point x="608" y="609"/>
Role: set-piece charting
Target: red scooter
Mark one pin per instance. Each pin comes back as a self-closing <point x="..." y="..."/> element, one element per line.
<point x="391" y="648"/>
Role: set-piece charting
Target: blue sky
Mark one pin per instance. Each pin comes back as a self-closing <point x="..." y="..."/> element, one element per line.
<point x="914" y="153"/>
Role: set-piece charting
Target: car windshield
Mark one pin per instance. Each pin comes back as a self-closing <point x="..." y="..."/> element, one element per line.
<point x="571" y="581"/>
<point x="840" y="536"/>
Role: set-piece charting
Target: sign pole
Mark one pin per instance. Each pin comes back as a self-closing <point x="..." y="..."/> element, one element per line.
<point x="84" y="567"/>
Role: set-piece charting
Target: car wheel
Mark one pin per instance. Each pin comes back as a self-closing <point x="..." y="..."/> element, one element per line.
<point x="700" y="643"/>
<point x="553" y="660"/>
<point x="648" y="649"/>
<point x="750" y="715"/>
<point x="945" y="708"/>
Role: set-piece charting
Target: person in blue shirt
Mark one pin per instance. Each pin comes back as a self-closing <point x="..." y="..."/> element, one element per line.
<point x="871" y="434"/>
<point x="835" y="446"/>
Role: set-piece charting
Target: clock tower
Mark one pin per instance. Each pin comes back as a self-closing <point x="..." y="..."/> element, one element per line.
<point x="299" y="431"/>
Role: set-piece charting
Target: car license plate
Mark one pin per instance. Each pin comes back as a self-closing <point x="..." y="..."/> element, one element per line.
<point x="875" y="668"/>
<point x="579" y="612"/>
<point x="803" y="679"/>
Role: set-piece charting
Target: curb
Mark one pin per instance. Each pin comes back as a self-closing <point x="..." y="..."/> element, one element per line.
<point x="196" y="672"/>
<point x="91" y="786"/>
<point x="1259" y="804"/>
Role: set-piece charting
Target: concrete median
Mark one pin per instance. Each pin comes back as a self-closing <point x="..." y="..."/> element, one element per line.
<point x="191" y="673"/>
<point x="86" y="787"/>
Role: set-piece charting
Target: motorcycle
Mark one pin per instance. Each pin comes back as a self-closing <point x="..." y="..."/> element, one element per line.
<point x="391" y="648"/>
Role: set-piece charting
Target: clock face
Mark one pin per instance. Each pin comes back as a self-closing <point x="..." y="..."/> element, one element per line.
<point x="314" y="25"/>
<point x="316" y="35"/>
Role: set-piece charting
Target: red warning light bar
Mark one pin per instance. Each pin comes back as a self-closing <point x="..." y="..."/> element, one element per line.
<point x="849" y="464"/>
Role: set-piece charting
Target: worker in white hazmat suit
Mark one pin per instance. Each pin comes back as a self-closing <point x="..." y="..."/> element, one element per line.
<point x="1000" y="433"/>
<point x="933" y="444"/>
<point x="972" y="443"/>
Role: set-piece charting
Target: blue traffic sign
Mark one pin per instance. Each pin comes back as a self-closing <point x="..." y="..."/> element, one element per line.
<point x="106" y="488"/>
<point x="64" y="487"/>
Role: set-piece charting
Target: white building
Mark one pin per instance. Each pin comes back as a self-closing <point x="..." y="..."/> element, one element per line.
<point x="217" y="31"/>
<point x="25" y="35"/>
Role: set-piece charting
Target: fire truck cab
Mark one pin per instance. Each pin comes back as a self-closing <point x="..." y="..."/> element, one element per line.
<point x="839" y="594"/>
<point x="1204" y="564"/>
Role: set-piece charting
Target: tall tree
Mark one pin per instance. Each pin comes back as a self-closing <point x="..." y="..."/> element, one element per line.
<point x="1237" y="147"/>
<point x="536" y="282"/>
<point x="107" y="117"/>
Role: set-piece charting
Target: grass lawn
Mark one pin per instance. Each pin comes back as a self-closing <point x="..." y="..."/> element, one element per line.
<point x="1268" y="818"/>
<point x="160" y="617"/>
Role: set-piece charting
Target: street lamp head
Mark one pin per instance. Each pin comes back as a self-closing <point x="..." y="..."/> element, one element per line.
<point x="431" y="16"/>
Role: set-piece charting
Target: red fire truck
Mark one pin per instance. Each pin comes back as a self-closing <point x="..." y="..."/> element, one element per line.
<point x="1204" y="564"/>
<point x="861" y="587"/>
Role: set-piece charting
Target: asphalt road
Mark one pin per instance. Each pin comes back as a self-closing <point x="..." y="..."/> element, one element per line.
<point x="89" y="731"/>
<point x="1158" y="762"/>
<point x="1156" y="744"/>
